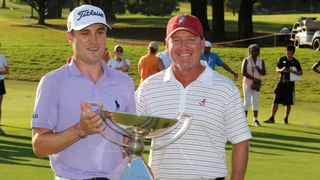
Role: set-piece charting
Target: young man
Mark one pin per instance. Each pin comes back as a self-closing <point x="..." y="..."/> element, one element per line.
<point x="213" y="59"/>
<point x="287" y="66"/>
<point x="4" y="70"/>
<point x="63" y="125"/>
<point x="190" y="86"/>
<point x="150" y="64"/>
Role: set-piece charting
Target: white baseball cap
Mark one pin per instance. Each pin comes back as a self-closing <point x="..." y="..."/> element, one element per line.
<point x="208" y="44"/>
<point x="118" y="46"/>
<point x="84" y="16"/>
<point x="153" y="44"/>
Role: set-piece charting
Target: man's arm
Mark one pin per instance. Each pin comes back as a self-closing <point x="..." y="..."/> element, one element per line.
<point x="227" y="68"/>
<point x="46" y="142"/>
<point x="4" y="70"/>
<point x="240" y="153"/>
<point x="125" y="66"/>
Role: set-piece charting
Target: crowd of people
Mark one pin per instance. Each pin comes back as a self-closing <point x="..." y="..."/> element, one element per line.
<point x="180" y="79"/>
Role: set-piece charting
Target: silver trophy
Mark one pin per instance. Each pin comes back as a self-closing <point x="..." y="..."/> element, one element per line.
<point x="138" y="127"/>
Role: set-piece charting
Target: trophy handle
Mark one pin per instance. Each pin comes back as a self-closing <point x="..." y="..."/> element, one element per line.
<point x="113" y="140"/>
<point x="183" y="118"/>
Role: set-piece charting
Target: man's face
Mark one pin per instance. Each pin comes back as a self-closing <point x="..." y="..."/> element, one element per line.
<point x="254" y="52"/>
<point x="289" y="55"/>
<point x="207" y="50"/>
<point x="119" y="53"/>
<point x="185" y="49"/>
<point x="89" y="43"/>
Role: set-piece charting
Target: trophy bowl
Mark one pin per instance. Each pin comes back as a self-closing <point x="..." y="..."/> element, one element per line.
<point x="138" y="127"/>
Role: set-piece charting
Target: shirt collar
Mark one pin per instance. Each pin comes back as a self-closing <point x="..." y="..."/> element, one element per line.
<point x="206" y="76"/>
<point x="76" y="72"/>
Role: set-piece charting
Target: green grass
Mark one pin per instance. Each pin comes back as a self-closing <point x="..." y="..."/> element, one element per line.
<point x="277" y="151"/>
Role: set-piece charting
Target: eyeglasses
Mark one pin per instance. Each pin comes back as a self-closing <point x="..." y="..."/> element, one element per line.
<point x="119" y="50"/>
<point x="254" y="50"/>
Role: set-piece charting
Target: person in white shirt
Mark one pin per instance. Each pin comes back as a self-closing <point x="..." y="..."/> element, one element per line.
<point x="165" y="57"/>
<point x="190" y="86"/>
<point x="4" y="69"/>
<point x="252" y="69"/>
<point x="119" y="62"/>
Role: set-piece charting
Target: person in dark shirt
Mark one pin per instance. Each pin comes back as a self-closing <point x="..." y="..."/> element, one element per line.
<point x="290" y="71"/>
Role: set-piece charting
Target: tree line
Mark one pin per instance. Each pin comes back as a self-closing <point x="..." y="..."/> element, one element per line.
<point x="244" y="8"/>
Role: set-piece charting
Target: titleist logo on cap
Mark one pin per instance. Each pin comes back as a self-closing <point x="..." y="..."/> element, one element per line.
<point x="85" y="13"/>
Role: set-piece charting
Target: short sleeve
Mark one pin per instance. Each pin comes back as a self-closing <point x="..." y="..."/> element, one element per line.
<point x="45" y="113"/>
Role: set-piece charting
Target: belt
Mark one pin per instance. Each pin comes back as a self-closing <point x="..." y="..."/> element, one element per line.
<point x="220" y="178"/>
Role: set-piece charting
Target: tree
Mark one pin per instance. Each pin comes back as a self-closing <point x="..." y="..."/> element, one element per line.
<point x="110" y="7"/>
<point x="233" y="5"/>
<point x="217" y="19"/>
<point x="41" y="7"/>
<point x="55" y="9"/>
<point x="245" y="27"/>
<point x="4" y="4"/>
<point x="199" y="9"/>
<point x="151" y="7"/>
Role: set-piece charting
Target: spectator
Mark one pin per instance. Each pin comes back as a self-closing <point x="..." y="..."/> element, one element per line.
<point x="4" y="69"/>
<point x="316" y="66"/>
<point x="106" y="56"/>
<point x="284" y="92"/>
<point x="213" y="59"/>
<point x="164" y="56"/>
<point x="149" y="64"/>
<point x="190" y="86"/>
<point x="252" y="69"/>
<point x="119" y="62"/>
<point x="63" y="126"/>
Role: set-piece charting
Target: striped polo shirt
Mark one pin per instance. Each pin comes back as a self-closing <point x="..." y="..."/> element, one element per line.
<point x="215" y="105"/>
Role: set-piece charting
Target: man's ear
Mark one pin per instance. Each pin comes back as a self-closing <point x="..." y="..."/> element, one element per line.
<point x="203" y="44"/>
<point x="166" y="43"/>
<point x="70" y="37"/>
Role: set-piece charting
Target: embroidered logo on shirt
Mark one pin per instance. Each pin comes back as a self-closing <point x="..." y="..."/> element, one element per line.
<point x="117" y="104"/>
<point x="35" y="115"/>
<point x="202" y="103"/>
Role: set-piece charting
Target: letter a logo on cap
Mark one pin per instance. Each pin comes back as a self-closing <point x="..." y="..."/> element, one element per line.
<point x="181" y="20"/>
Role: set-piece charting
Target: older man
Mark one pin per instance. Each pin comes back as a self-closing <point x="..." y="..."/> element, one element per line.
<point x="191" y="86"/>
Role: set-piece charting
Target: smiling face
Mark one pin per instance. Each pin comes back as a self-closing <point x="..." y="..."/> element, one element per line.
<point x="185" y="49"/>
<point x="88" y="43"/>
<point x="118" y="53"/>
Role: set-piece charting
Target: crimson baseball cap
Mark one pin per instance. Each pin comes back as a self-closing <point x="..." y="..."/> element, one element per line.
<point x="84" y="16"/>
<point x="185" y="22"/>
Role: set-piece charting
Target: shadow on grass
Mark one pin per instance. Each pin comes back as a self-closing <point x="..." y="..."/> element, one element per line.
<point x="263" y="140"/>
<point x="13" y="152"/>
<point x="306" y="130"/>
<point x="15" y="127"/>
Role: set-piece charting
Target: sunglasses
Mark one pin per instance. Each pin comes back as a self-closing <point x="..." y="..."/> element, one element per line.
<point x="119" y="50"/>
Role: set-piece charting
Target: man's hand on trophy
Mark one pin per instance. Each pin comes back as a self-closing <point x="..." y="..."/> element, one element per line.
<point x="90" y="120"/>
<point x="108" y="115"/>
